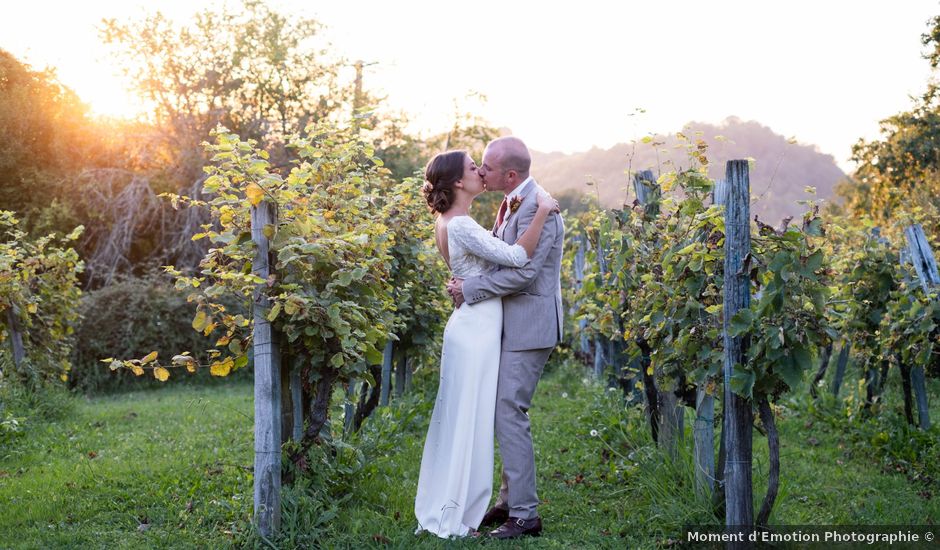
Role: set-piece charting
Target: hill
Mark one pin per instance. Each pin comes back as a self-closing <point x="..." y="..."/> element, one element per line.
<point x="783" y="168"/>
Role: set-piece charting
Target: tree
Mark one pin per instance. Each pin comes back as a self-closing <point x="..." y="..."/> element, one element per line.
<point x="41" y="121"/>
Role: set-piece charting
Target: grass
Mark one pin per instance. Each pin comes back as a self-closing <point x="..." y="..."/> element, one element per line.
<point x="178" y="461"/>
<point x="155" y="469"/>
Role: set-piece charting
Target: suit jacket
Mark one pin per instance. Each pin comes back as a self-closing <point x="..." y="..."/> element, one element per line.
<point x="532" y="310"/>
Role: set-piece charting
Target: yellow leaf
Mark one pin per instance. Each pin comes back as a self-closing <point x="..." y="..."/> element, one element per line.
<point x="200" y="320"/>
<point x="161" y="374"/>
<point x="221" y="368"/>
<point x="149" y="358"/>
<point x="268" y="230"/>
<point x="115" y="365"/>
<point x="32" y="308"/>
<point x="137" y="370"/>
<point x="185" y="361"/>
<point x="64" y="377"/>
<point x="255" y="193"/>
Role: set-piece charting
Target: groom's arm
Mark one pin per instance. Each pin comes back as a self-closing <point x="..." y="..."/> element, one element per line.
<point x="503" y="282"/>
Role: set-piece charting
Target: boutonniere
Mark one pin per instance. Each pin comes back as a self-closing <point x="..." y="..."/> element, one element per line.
<point x="514" y="204"/>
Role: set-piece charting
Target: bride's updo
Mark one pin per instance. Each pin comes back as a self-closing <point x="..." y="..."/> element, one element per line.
<point x="439" y="178"/>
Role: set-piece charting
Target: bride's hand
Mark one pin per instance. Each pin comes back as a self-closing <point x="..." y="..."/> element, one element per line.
<point x="546" y="202"/>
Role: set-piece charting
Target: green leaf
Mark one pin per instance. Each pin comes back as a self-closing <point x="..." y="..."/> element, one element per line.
<point x="741" y="323"/>
<point x="803" y="358"/>
<point x="275" y="311"/>
<point x="789" y="370"/>
<point x="374" y="356"/>
<point x="742" y="381"/>
<point x="337" y="360"/>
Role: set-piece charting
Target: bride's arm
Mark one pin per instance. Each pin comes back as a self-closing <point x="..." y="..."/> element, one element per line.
<point x="530" y="239"/>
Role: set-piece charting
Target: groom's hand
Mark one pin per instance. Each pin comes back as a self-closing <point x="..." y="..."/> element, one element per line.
<point x="455" y="289"/>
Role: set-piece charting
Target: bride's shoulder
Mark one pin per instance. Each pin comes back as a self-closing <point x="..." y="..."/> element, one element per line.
<point x="463" y="222"/>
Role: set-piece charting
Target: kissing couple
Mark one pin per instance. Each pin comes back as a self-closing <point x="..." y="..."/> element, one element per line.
<point x="508" y="317"/>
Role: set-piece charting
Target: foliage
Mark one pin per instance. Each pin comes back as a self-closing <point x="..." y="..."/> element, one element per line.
<point x="657" y="284"/>
<point x="46" y="136"/>
<point x="38" y="298"/>
<point x="909" y="328"/>
<point x="417" y="272"/>
<point x="257" y="71"/>
<point x="787" y="322"/>
<point x="328" y="290"/>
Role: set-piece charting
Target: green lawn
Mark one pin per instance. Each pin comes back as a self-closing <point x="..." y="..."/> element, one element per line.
<point x="177" y="460"/>
<point x="167" y="468"/>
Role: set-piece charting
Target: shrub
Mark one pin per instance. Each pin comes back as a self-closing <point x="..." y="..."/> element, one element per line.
<point x="131" y="318"/>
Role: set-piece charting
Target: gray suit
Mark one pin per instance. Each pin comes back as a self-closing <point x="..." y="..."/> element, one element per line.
<point x="532" y="321"/>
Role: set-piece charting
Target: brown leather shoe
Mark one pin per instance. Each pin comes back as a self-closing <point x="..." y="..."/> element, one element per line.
<point x="493" y="517"/>
<point x="518" y="527"/>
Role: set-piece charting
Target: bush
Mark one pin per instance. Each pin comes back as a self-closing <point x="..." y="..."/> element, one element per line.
<point x="131" y="318"/>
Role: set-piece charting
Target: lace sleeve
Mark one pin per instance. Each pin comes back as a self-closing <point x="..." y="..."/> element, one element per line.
<point x="483" y="244"/>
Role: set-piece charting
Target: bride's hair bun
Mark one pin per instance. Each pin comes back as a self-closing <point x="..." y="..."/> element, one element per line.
<point x="442" y="172"/>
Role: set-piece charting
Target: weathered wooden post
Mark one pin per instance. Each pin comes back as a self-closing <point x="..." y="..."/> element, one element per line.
<point x="703" y="433"/>
<point x="402" y="373"/>
<point x="386" y="372"/>
<point x="720" y="192"/>
<point x="267" y="360"/>
<point x="926" y="266"/>
<point x="349" y="408"/>
<point x="297" y="402"/>
<point x="841" y="364"/>
<point x="647" y="192"/>
<point x="16" y="338"/>
<point x="671" y="425"/>
<point x="600" y="341"/>
<point x="287" y="404"/>
<point x="703" y="430"/>
<point x="739" y="510"/>
<point x="821" y="372"/>
<point x="585" y="344"/>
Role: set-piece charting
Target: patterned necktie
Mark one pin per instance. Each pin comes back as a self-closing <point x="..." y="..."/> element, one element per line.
<point x="502" y="212"/>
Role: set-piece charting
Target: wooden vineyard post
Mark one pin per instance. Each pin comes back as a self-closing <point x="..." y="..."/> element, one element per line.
<point x="349" y="409"/>
<point x="841" y="364"/>
<point x="16" y="337"/>
<point x="739" y="510"/>
<point x="386" y="372"/>
<point x="671" y="414"/>
<point x="600" y="361"/>
<point x="267" y="360"/>
<point x="585" y="345"/>
<point x="402" y="374"/>
<point x="296" y="393"/>
<point x="703" y="431"/>
<point x="926" y="266"/>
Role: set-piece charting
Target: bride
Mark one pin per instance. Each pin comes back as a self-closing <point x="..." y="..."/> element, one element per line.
<point x="456" y="479"/>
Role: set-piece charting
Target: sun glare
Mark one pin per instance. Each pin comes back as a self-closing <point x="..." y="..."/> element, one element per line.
<point x="107" y="96"/>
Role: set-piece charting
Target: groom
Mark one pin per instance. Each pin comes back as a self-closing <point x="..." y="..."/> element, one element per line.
<point x="532" y="317"/>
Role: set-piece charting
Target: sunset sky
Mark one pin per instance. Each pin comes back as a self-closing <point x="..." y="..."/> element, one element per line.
<point x="570" y="76"/>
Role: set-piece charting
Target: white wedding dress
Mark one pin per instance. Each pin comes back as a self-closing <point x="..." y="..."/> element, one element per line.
<point x="456" y="479"/>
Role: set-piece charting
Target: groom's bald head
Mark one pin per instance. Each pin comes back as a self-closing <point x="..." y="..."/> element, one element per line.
<point x="506" y="163"/>
<point x="510" y="154"/>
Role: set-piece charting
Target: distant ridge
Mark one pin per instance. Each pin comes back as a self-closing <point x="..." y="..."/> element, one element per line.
<point x="782" y="169"/>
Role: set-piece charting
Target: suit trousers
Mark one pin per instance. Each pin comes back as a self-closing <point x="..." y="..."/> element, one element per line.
<point x="519" y="373"/>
